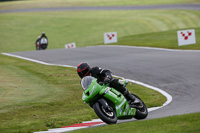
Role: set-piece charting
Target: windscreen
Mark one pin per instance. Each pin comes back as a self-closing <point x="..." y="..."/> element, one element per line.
<point x="86" y="82"/>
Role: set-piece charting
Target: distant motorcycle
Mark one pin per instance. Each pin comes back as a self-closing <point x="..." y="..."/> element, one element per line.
<point x="108" y="103"/>
<point x="41" y="43"/>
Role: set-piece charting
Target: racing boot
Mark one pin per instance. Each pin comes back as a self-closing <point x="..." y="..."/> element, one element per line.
<point x="130" y="97"/>
<point x="121" y="88"/>
<point x="133" y="101"/>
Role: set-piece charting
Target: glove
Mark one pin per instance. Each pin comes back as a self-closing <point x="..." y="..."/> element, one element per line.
<point x="107" y="79"/>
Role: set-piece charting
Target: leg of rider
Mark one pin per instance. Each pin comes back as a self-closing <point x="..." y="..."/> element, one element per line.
<point x="115" y="84"/>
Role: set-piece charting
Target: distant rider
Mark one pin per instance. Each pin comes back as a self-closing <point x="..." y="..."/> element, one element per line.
<point x="83" y="69"/>
<point x="41" y="42"/>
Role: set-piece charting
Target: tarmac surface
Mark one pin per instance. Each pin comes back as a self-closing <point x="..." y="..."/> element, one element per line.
<point x="96" y="8"/>
<point x="175" y="71"/>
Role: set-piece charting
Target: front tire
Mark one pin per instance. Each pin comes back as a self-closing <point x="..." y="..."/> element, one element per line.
<point x="141" y="113"/>
<point x="106" y="116"/>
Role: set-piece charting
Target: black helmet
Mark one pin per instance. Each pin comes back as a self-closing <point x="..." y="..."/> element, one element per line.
<point x="83" y="69"/>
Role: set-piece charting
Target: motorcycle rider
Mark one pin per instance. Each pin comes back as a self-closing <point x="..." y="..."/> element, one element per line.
<point x="83" y="69"/>
<point x="44" y="41"/>
<point x="41" y="42"/>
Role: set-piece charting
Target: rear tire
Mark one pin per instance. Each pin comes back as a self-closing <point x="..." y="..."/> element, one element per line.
<point x="107" y="117"/>
<point x="142" y="112"/>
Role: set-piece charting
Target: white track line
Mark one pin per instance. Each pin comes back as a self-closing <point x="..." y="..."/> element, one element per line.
<point x="169" y="97"/>
<point x="36" y="61"/>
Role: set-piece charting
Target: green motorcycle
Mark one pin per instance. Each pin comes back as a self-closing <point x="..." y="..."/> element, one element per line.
<point x="108" y="103"/>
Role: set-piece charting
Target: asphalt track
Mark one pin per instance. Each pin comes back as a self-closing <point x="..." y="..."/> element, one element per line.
<point x="95" y="8"/>
<point x="174" y="71"/>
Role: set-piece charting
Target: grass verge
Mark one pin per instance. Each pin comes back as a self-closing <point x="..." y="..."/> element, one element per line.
<point x="36" y="97"/>
<point x="174" y="124"/>
<point x="20" y="30"/>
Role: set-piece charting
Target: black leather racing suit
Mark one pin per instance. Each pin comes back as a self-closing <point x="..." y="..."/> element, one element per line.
<point x="105" y="76"/>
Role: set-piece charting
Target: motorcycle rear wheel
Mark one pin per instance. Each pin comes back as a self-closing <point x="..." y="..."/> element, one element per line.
<point x="106" y="116"/>
<point x="141" y="113"/>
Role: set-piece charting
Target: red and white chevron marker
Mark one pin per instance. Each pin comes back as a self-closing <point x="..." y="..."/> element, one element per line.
<point x="186" y="37"/>
<point x="85" y="124"/>
<point x="70" y="45"/>
<point x="110" y="37"/>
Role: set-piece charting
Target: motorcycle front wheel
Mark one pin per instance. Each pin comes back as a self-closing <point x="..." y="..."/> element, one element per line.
<point x="108" y="117"/>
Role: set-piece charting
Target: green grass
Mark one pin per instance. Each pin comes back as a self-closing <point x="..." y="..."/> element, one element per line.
<point x="36" y="97"/>
<point x="20" y="30"/>
<point x="175" y="124"/>
<point x="165" y="39"/>
<point x="61" y="3"/>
